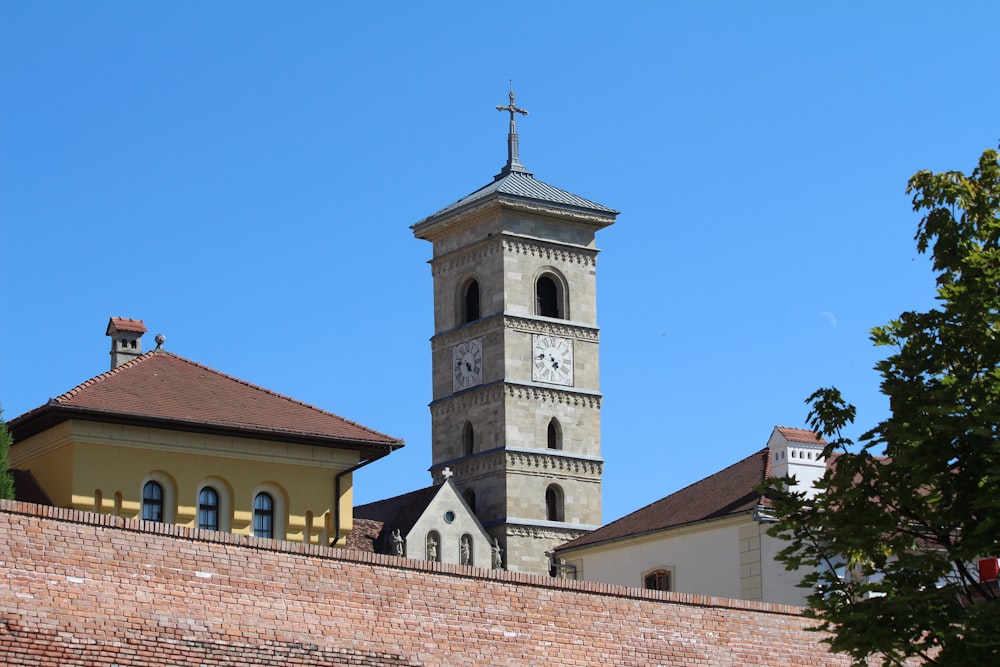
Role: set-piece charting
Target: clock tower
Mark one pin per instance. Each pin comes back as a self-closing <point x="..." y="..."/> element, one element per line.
<point x="516" y="406"/>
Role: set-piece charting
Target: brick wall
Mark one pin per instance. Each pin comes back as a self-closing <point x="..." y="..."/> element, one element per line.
<point x="84" y="589"/>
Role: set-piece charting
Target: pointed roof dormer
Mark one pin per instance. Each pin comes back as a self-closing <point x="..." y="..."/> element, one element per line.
<point x="126" y="339"/>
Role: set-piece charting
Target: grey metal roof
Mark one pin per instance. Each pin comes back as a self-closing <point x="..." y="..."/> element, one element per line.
<point x="523" y="185"/>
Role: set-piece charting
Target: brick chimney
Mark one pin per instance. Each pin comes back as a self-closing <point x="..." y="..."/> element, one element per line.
<point x="126" y="339"/>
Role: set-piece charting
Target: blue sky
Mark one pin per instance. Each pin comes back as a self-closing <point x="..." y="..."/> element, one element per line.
<point x="242" y="176"/>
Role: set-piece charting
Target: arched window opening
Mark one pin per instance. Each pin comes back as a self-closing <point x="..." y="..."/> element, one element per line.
<point x="554" y="435"/>
<point x="554" y="503"/>
<point x="434" y="546"/>
<point x="263" y="515"/>
<point x="208" y="508"/>
<point x="470" y="499"/>
<point x="657" y="580"/>
<point x="547" y="298"/>
<point x="468" y="439"/>
<point x="472" y="301"/>
<point x="152" y="502"/>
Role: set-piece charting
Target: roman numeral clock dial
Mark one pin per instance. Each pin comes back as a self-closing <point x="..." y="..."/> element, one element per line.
<point x="552" y="359"/>
<point x="467" y="364"/>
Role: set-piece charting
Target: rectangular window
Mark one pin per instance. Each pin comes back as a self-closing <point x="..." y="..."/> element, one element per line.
<point x="658" y="580"/>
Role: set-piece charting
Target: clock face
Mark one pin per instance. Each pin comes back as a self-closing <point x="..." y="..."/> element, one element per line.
<point x="552" y="359"/>
<point x="467" y="364"/>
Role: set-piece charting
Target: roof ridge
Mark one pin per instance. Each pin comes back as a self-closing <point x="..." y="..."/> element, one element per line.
<point x="401" y="495"/>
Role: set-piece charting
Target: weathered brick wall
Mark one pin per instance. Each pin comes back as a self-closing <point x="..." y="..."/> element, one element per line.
<point x="84" y="589"/>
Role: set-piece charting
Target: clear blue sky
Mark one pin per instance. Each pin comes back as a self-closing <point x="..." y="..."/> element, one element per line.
<point x="242" y="176"/>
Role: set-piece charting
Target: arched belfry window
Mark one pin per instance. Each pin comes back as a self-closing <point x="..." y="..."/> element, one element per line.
<point x="554" y="434"/>
<point x="468" y="439"/>
<point x="549" y="297"/>
<point x="471" y="303"/>
<point x="554" y="503"/>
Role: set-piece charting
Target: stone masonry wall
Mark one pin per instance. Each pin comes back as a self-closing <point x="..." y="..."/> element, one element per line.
<point x="84" y="589"/>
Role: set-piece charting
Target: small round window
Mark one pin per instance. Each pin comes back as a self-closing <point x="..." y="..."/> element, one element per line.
<point x="449" y="516"/>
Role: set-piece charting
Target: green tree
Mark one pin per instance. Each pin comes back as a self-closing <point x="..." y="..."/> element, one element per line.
<point x="6" y="479"/>
<point x="891" y="539"/>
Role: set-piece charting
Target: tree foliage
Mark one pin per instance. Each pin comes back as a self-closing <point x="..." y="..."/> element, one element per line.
<point x="6" y="479"/>
<point x="890" y="542"/>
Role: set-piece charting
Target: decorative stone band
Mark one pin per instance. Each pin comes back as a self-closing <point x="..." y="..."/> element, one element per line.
<point x="566" y="328"/>
<point x="565" y="465"/>
<point x="490" y="394"/>
<point x="553" y="252"/>
<point x="465" y="257"/>
<point x="481" y="327"/>
<point x="526" y="461"/>
<point x="487" y="394"/>
<point x="514" y="244"/>
<point x="569" y="396"/>
<point x="545" y="530"/>
<point x="494" y="324"/>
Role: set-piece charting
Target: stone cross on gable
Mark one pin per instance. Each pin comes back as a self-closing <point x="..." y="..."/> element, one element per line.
<point x="447" y="473"/>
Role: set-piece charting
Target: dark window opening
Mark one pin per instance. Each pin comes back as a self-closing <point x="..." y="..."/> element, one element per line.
<point x="657" y="581"/>
<point x="472" y="302"/>
<point x="208" y="509"/>
<point x="470" y="499"/>
<point x="547" y="297"/>
<point x="468" y="439"/>
<point x="554" y="503"/>
<point x="554" y="435"/>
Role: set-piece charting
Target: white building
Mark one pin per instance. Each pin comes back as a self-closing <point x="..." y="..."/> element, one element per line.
<point x="709" y="538"/>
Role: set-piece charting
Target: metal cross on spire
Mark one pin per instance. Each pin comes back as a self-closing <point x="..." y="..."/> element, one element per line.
<point x="513" y="161"/>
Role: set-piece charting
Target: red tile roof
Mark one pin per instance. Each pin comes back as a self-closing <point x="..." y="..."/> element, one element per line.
<point x="800" y="435"/>
<point x="126" y="324"/>
<point x="732" y="490"/>
<point x="364" y="534"/>
<point x="729" y="491"/>
<point x="164" y="390"/>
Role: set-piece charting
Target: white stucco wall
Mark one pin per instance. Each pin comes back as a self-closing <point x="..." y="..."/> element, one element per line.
<point x="704" y="559"/>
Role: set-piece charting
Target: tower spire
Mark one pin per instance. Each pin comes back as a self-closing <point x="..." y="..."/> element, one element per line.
<point x="513" y="161"/>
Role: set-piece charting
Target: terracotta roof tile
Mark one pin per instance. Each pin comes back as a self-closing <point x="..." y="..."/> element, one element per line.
<point x="800" y="435"/>
<point x="363" y="535"/>
<point x="126" y="324"/>
<point x="161" y="386"/>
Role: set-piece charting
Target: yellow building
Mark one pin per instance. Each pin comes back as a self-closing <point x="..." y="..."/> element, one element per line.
<point x="163" y="438"/>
